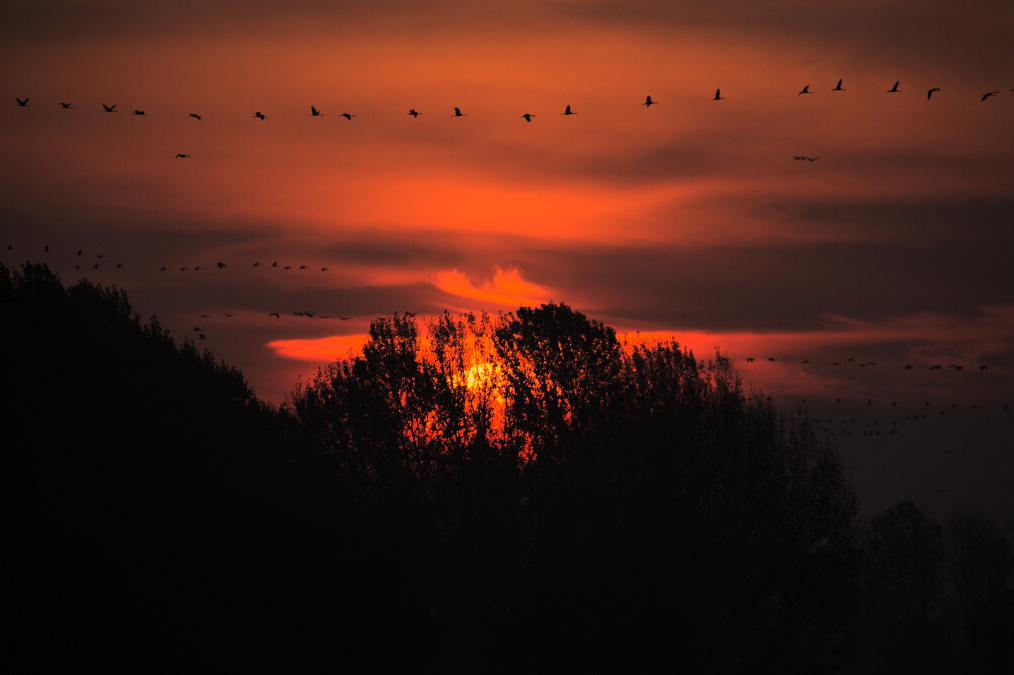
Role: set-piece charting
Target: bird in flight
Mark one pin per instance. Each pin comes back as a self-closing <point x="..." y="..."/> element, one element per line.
<point x="180" y="155"/>
<point x="413" y="113"/>
<point x="808" y="159"/>
<point x="256" y="264"/>
<point x="259" y="115"/>
<point x="528" y="117"/>
<point x="344" y="318"/>
<point x="929" y="92"/>
<point x="347" y="116"/>
<point x="458" y="113"/>
<point x="314" y="112"/>
<point x="894" y="89"/>
<point x="274" y="314"/>
<point x="568" y="112"/>
<point x="838" y="88"/>
<point x="323" y="269"/>
<point x="718" y="95"/>
<point x="110" y="108"/>
<point x="648" y="102"/>
<point x="195" y="116"/>
<point x="139" y="112"/>
<point x="221" y="265"/>
<point x="23" y="104"/>
<point x="984" y="96"/>
<point x="66" y="106"/>
<point x="806" y="90"/>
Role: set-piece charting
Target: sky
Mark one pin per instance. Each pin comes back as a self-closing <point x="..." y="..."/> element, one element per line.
<point x="688" y="219"/>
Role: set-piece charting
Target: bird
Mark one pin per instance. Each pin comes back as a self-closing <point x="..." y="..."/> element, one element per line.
<point x="80" y="252"/>
<point x="937" y="367"/>
<point x="344" y="318"/>
<point x="110" y="108"/>
<point x="195" y="116"/>
<point x="139" y="112"/>
<point x="256" y="264"/>
<point x="894" y="89"/>
<point x="528" y="117"/>
<point x="982" y="368"/>
<point x="162" y="270"/>
<point x="66" y="106"/>
<point x="718" y="95"/>
<point x="221" y="265"/>
<point x="274" y="314"/>
<point x="984" y="96"/>
<point x="347" y="116"/>
<point x="929" y="92"/>
<point x="808" y="159"/>
<point x="22" y="104"/>
<point x="201" y="336"/>
<point x="314" y="112"/>
<point x="274" y="264"/>
<point x="259" y="115"/>
<point x="648" y="102"/>
<point x="302" y="267"/>
<point x="180" y="155"/>
<point x="413" y="113"/>
<point x="806" y="90"/>
<point x="908" y="367"/>
<point x="229" y="316"/>
<point x="46" y="250"/>
<point x="771" y="358"/>
<point x="568" y="112"/>
<point x="197" y="329"/>
<point x="838" y="88"/>
<point x="323" y="269"/>
<point x="806" y="361"/>
<point x="749" y="359"/>
<point x="458" y="113"/>
<point x="288" y="267"/>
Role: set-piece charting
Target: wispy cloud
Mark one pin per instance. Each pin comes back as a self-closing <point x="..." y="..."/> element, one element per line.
<point x="506" y="288"/>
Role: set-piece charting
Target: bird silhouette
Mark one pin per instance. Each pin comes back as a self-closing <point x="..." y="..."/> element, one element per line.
<point x="458" y="113"/>
<point x="347" y="116"/>
<point x="256" y="264"/>
<point x="66" y="106"/>
<point x="984" y="96"/>
<point x="22" y="104"/>
<point x="221" y="265"/>
<point x="323" y="269"/>
<point x="344" y="318"/>
<point x="648" y="102"/>
<point x="806" y="90"/>
<point x="982" y="368"/>
<point x="838" y="88"/>
<point x="568" y="112"/>
<point x="110" y="108"/>
<point x="80" y="252"/>
<point x="528" y="117"/>
<point x="139" y="112"/>
<point x="46" y="250"/>
<point x="229" y="316"/>
<point x="749" y="359"/>
<point x="259" y="115"/>
<point x="413" y="113"/>
<point x="274" y="264"/>
<point x="929" y="92"/>
<point x="201" y="336"/>
<point x="274" y="314"/>
<point x="718" y="95"/>
<point x="894" y="89"/>
<point x="180" y="155"/>
<point x="195" y="116"/>
<point x="314" y="112"/>
<point x="302" y="267"/>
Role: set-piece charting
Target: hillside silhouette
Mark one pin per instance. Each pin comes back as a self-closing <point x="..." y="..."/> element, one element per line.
<point x="521" y="493"/>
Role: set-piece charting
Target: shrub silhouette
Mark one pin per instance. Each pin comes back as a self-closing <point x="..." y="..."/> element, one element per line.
<point x="597" y="502"/>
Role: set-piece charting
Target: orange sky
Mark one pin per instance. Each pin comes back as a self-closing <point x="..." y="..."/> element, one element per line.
<point x="688" y="219"/>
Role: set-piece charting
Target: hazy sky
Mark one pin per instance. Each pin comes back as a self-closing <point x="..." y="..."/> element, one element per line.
<point x="688" y="219"/>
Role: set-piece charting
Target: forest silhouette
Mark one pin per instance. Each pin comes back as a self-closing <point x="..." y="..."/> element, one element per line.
<point x="520" y="493"/>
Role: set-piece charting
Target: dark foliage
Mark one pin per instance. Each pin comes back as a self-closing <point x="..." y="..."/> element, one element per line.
<point x="156" y="517"/>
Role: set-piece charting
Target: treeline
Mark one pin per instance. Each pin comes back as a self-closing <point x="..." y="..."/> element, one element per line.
<point x="513" y="494"/>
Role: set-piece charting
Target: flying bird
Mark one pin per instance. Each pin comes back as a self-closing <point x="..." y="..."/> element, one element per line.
<point x="66" y="106"/>
<point x="347" y="116"/>
<point x="195" y="116"/>
<point x="838" y="88"/>
<point x="528" y="117"/>
<point x="806" y="90"/>
<point x="929" y="92"/>
<point x="648" y="102"/>
<point x="718" y="95"/>
<point x="323" y="269"/>
<point x="139" y="112"/>
<point x="458" y="113"/>
<point x="274" y="264"/>
<point x="894" y="89"/>
<point x="180" y="155"/>
<point x="274" y="314"/>
<point x="46" y="250"/>
<point x="256" y="264"/>
<point x="23" y="104"/>
<point x="413" y="113"/>
<point x="221" y="265"/>
<point x="259" y="115"/>
<point x="314" y="112"/>
<point x="110" y="108"/>
<point x="568" y="112"/>
<point x="344" y="318"/>
<point x="984" y="96"/>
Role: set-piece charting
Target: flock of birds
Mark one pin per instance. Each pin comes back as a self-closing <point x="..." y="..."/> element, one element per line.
<point x="315" y="112"/>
